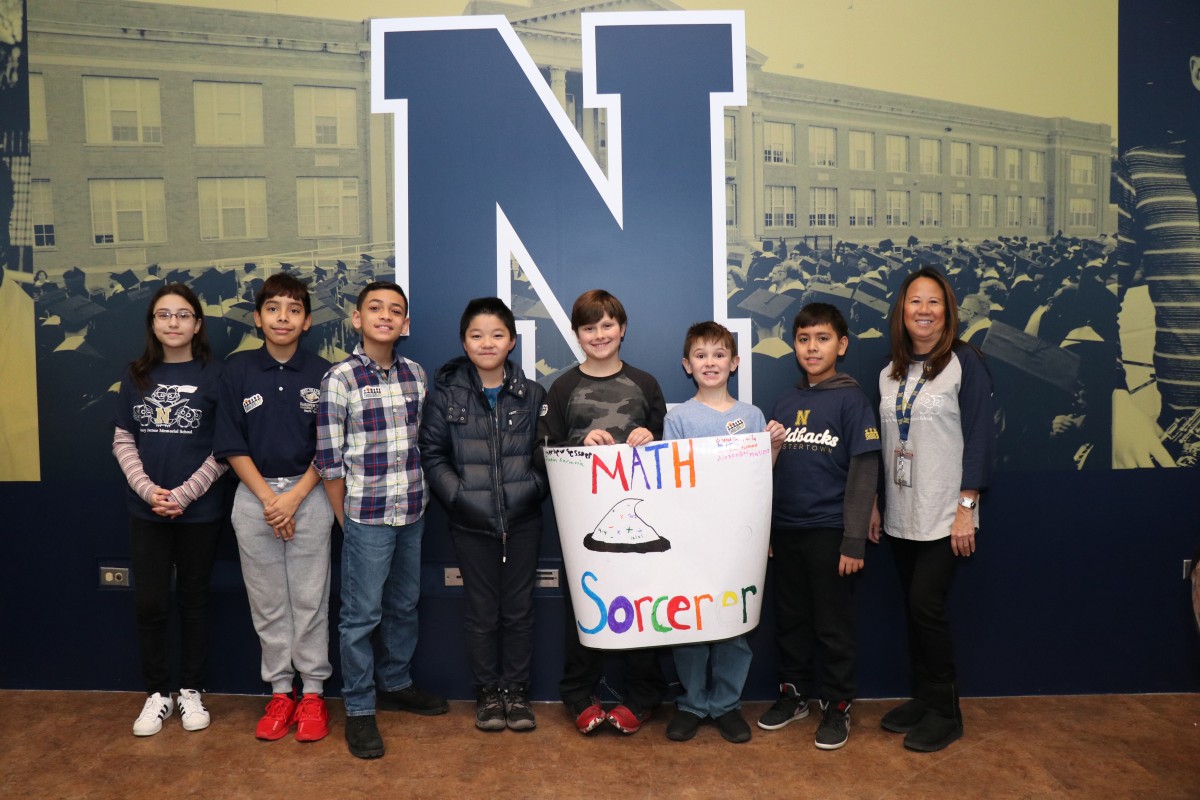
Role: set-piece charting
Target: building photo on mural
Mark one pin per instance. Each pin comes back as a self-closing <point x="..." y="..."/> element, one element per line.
<point x="727" y="161"/>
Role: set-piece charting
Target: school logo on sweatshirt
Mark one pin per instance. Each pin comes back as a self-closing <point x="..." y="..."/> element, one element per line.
<point x="252" y="402"/>
<point x="166" y="410"/>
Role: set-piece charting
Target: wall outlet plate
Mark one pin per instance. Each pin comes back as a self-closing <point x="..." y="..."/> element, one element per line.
<point x="453" y="576"/>
<point x="547" y="578"/>
<point x="114" y="577"/>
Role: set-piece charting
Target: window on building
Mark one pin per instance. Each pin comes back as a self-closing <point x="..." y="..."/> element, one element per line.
<point x="822" y="146"/>
<point x="1012" y="212"/>
<point x="779" y="207"/>
<point x="41" y="211"/>
<point x="897" y="210"/>
<point x="122" y="111"/>
<point x="39" y="131"/>
<point x="960" y="159"/>
<point x="730" y="138"/>
<point x="1037" y="166"/>
<point x="862" y="207"/>
<point x="862" y="150"/>
<point x="232" y="208"/>
<point x="931" y="209"/>
<point x="1037" y="212"/>
<point x="779" y="143"/>
<point x="987" y="160"/>
<point x="931" y="157"/>
<point x="731" y="205"/>
<point x="328" y="206"/>
<point x="326" y="117"/>
<point x="1012" y="164"/>
<point x="987" y="211"/>
<point x="960" y="210"/>
<point x="228" y="114"/>
<point x="128" y="211"/>
<point x="822" y="207"/>
<point x="1082" y="212"/>
<point x="1083" y="170"/>
<point x="897" y="153"/>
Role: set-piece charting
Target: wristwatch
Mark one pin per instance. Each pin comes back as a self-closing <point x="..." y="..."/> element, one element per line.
<point x="967" y="503"/>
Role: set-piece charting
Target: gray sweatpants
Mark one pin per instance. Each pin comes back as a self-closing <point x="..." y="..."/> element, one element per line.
<point x="288" y="587"/>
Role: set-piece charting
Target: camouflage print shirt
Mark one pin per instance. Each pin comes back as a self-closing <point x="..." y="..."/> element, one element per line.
<point x="618" y="403"/>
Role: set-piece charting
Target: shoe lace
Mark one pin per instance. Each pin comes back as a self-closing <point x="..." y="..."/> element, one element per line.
<point x="492" y="699"/>
<point x="152" y="708"/>
<point x="280" y="707"/>
<point x="309" y="708"/>
<point x="516" y="699"/>
<point x="190" y="702"/>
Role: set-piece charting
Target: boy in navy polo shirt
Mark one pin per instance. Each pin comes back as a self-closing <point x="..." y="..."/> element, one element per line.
<point x="368" y="456"/>
<point x="267" y="431"/>
<point x="825" y="482"/>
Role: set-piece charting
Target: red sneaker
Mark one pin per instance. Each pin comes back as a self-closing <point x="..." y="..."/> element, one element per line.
<point x="588" y="715"/>
<point x="281" y="713"/>
<point x="312" y="719"/>
<point x="625" y="720"/>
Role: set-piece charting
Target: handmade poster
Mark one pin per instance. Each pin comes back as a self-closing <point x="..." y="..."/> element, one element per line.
<point x="666" y="543"/>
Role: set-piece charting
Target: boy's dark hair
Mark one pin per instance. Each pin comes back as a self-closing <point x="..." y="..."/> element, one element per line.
<point x="376" y="286"/>
<point x="710" y="332"/>
<point x="486" y="305"/>
<point x="591" y="306"/>
<point x="820" y="314"/>
<point x="282" y="284"/>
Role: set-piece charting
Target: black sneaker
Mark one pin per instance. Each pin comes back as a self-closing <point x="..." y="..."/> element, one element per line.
<point x="413" y="700"/>
<point x="834" y="729"/>
<point x="683" y="726"/>
<point x="789" y="707"/>
<point x="489" y="709"/>
<point x="362" y="737"/>
<point x="517" y="711"/>
<point x="733" y="727"/>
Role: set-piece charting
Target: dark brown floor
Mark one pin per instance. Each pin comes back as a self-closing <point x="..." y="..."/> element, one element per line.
<point x="79" y="745"/>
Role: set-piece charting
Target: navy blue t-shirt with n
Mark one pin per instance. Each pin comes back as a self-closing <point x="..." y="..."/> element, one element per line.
<point x="173" y="423"/>
<point x="827" y="425"/>
<point x="268" y="411"/>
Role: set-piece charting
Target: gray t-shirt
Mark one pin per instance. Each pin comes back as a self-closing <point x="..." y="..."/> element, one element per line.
<point x="694" y="420"/>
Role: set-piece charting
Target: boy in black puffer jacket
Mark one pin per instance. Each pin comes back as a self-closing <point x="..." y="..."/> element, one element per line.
<point x="478" y="435"/>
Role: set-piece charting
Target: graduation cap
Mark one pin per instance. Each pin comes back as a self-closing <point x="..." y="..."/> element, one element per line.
<point x="1035" y="357"/>
<point x="734" y="258"/>
<point x="341" y="266"/>
<point x="886" y="244"/>
<point x="126" y="279"/>
<point x="75" y="312"/>
<point x="287" y="267"/>
<point x="872" y="294"/>
<point x="153" y="269"/>
<point x="841" y="297"/>
<point x="179" y="276"/>
<point x="153" y="285"/>
<point x="320" y="273"/>
<point x="215" y="285"/>
<point x="325" y="315"/>
<point x="768" y="307"/>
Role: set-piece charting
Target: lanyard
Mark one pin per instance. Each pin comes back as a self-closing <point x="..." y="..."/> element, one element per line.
<point x="904" y="410"/>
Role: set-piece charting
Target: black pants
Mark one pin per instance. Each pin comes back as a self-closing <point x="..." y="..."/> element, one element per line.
<point x="499" y="603"/>
<point x="644" y="680"/>
<point x="814" y="612"/>
<point x="926" y="571"/>
<point x="154" y="548"/>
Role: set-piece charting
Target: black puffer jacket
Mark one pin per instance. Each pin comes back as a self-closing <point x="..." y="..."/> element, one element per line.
<point x="479" y="462"/>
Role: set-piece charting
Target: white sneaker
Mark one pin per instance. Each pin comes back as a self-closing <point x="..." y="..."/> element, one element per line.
<point x="191" y="708"/>
<point x="150" y="721"/>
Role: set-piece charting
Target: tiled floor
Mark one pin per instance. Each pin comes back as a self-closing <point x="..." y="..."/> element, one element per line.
<point x="79" y="745"/>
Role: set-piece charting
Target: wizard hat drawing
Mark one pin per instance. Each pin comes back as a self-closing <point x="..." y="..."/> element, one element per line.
<point x="623" y="531"/>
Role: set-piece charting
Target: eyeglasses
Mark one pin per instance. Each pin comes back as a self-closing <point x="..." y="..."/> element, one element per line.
<point x="162" y="315"/>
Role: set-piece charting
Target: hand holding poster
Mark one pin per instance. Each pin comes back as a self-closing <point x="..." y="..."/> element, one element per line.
<point x="666" y="543"/>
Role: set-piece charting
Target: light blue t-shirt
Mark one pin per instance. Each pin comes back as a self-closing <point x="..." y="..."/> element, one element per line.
<point x="694" y="420"/>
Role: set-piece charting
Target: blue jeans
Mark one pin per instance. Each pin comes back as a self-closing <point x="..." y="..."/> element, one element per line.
<point x="730" y="662"/>
<point x="381" y="584"/>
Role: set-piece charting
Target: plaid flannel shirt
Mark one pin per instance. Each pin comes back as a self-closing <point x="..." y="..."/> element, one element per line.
<point x="367" y="433"/>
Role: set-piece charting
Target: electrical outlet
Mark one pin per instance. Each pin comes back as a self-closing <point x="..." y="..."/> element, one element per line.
<point x="453" y="576"/>
<point x="114" y="577"/>
<point x="547" y="579"/>
<point x="1187" y="568"/>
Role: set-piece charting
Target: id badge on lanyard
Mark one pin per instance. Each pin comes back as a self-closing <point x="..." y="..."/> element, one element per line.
<point x="903" y="454"/>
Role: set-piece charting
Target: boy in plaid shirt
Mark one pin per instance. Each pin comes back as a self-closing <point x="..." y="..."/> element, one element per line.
<point x="368" y="457"/>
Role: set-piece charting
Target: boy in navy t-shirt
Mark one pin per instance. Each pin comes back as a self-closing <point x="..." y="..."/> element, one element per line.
<point x="825" y="483"/>
<point x="267" y="431"/>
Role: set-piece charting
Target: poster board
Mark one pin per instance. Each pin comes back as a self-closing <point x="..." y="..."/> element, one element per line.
<point x="666" y="543"/>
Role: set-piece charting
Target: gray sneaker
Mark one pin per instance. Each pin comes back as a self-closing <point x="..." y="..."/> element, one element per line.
<point x="789" y="707"/>
<point x="834" y="729"/>
<point x="489" y="709"/>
